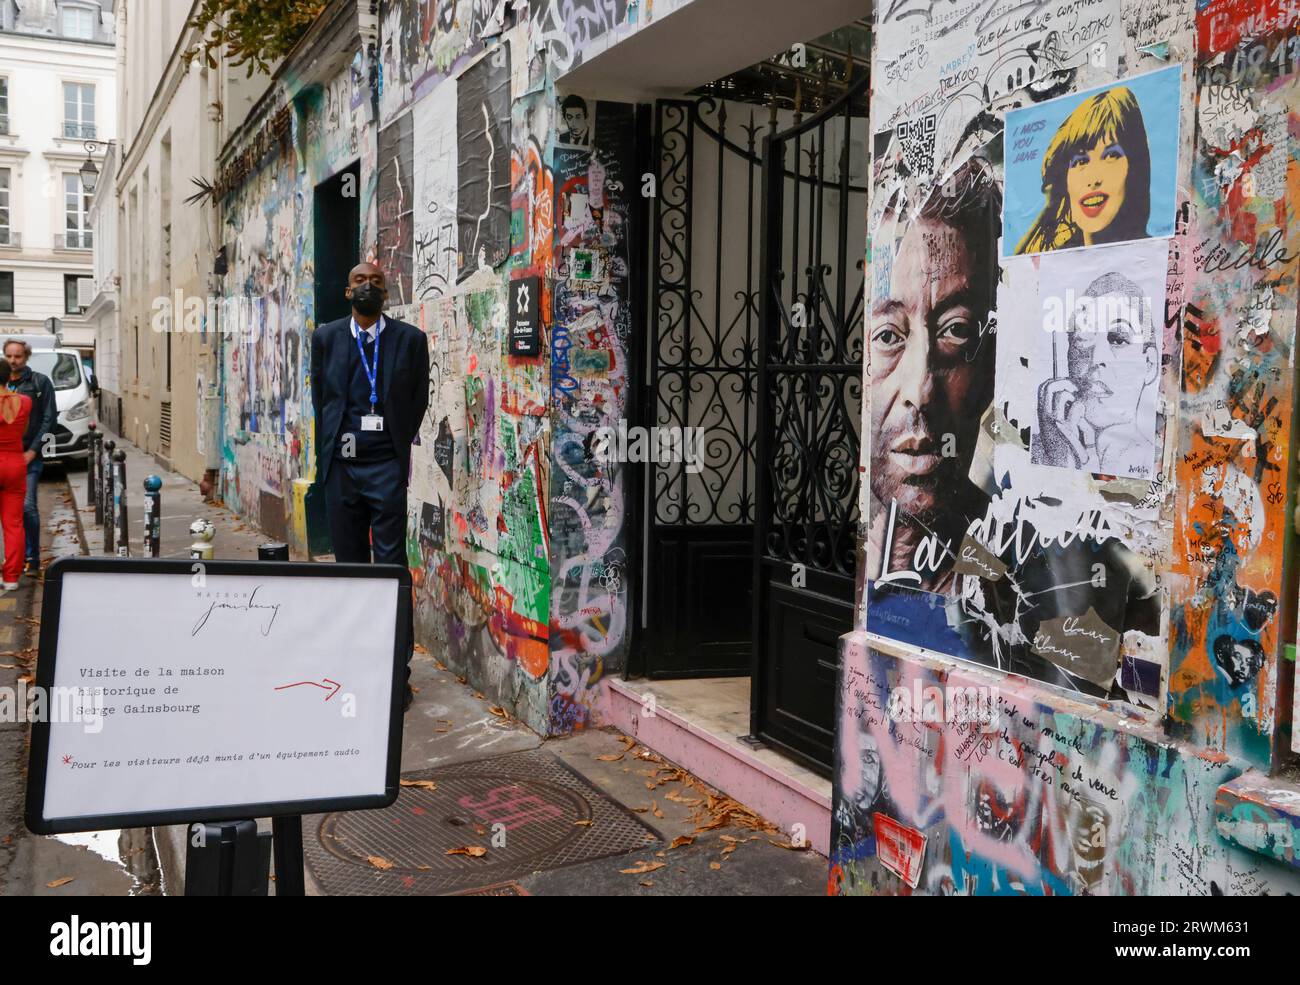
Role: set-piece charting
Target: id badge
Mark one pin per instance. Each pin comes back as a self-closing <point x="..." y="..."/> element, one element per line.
<point x="372" y="422"/>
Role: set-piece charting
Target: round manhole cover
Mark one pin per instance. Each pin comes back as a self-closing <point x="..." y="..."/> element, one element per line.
<point x="527" y="811"/>
<point x="516" y="822"/>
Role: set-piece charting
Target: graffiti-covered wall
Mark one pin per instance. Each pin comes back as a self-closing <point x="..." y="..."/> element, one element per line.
<point x="304" y="136"/>
<point x="590" y="346"/>
<point x="1082" y="315"/>
<point x="504" y="233"/>
<point x="1021" y="792"/>
<point x="465" y="216"/>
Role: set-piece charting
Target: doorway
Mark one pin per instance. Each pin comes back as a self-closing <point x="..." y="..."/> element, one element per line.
<point x="336" y="244"/>
<point x="755" y="316"/>
<point x="336" y="240"/>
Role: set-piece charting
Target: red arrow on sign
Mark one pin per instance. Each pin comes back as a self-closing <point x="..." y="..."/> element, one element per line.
<point x="324" y="686"/>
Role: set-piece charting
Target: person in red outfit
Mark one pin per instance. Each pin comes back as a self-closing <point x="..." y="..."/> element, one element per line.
<point x="15" y="409"/>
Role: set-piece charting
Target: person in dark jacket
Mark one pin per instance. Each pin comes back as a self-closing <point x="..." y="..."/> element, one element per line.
<point x="25" y="380"/>
<point x="369" y="389"/>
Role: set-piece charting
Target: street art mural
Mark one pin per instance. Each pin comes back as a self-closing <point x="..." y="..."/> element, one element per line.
<point x="1037" y="795"/>
<point x="1081" y="331"/>
<point x="1238" y="358"/>
<point x="1043" y="554"/>
<point x="267" y="313"/>
<point x="590" y="342"/>
<point x="517" y="534"/>
<point x="478" y="527"/>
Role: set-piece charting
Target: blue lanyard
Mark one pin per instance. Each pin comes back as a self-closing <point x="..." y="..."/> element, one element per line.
<point x="372" y="372"/>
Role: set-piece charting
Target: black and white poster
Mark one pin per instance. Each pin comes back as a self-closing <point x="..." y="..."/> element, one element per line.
<point x="483" y="169"/>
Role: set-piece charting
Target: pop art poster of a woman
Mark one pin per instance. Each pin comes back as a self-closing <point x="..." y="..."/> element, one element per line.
<point x="1093" y="167"/>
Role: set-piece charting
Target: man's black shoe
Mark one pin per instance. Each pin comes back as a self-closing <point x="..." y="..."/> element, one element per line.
<point x="410" y="696"/>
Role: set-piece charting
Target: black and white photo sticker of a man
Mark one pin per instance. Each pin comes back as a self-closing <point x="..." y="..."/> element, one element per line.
<point x="931" y="357"/>
<point x="1097" y="412"/>
<point x="575" y="122"/>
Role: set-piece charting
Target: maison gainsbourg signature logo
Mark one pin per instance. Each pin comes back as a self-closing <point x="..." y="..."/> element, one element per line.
<point x="236" y="602"/>
<point x="101" y="939"/>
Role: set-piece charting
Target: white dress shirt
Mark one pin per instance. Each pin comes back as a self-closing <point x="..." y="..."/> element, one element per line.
<point x="371" y="332"/>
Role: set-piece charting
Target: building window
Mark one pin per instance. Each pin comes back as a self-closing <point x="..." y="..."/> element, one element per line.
<point x="76" y="211"/>
<point x="79" y="23"/>
<point x="70" y="304"/>
<point x="4" y="106"/>
<point x="7" y="291"/>
<point x="79" y="110"/>
<point x="5" y="178"/>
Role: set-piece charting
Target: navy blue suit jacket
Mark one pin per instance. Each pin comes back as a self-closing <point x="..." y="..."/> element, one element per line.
<point x="403" y="384"/>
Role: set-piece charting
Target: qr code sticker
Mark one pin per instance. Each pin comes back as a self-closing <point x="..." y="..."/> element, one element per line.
<point x="917" y="140"/>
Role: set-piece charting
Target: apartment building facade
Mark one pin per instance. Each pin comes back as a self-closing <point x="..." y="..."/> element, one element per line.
<point x="57" y="111"/>
<point x="173" y="113"/>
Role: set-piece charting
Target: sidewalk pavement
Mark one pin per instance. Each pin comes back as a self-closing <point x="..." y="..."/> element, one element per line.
<point x="182" y="504"/>
<point x="101" y="863"/>
<point x="708" y="845"/>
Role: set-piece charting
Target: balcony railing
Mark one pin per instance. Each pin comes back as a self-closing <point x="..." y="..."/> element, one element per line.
<point x="74" y="240"/>
<point x="10" y="237"/>
<point x="75" y="130"/>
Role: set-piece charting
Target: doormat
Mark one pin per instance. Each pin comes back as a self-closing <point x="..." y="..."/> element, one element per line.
<point x="500" y="819"/>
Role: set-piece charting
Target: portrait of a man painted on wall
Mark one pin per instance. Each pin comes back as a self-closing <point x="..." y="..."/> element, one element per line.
<point x="930" y="372"/>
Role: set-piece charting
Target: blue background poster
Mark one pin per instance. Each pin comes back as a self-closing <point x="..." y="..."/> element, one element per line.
<point x="1059" y="219"/>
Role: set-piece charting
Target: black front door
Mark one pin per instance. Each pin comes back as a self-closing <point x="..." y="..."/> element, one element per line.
<point x="336" y="242"/>
<point x="701" y="375"/>
<point x="809" y="422"/>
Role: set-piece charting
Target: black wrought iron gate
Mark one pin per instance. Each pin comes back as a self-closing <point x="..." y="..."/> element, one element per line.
<point x="809" y="421"/>
<point x="701" y="373"/>
<point x="756" y="288"/>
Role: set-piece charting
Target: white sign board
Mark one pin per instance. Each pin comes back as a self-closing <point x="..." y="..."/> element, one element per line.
<point x="198" y="692"/>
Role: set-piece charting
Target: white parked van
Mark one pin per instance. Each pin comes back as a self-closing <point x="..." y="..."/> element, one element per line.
<point x="74" y="398"/>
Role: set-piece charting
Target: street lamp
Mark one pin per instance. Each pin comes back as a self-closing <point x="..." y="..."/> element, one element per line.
<point x="89" y="173"/>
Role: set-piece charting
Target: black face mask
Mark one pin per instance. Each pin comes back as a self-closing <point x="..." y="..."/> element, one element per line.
<point x="367" y="300"/>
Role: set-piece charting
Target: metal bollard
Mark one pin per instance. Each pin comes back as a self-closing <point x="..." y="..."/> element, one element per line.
<point x="92" y="487"/>
<point x="119" y="505"/>
<point x="152" y="516"/>
<point x="202" y="531"/>
<point x="108" y="518"/>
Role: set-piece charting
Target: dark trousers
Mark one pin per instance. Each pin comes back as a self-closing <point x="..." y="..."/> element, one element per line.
<point x="31" y="512"/>
<point x="366" y="502"/>
<point x="367" y="507"/>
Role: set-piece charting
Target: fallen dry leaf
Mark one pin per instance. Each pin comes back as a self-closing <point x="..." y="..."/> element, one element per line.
<point x="420" y="649"/>
<point x="654" y="809"/>
<point x="681" y="840"/>
<point x="638" y="810"/>
<point x="642" y="867"/>
<point x="59" y="882"/>
<point x="499" y="711"/>
<point x="473" y="851"/>
<point x="379" y="863"/>
<point x="627" y="740"/>
<point x="715" y="865"/>
<point x="422" y="784"/>
<point x="729" y="838"/>
<point x="583" y="824"/>
<point x="787" y="846"/>
<point x="613" y="757"/>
